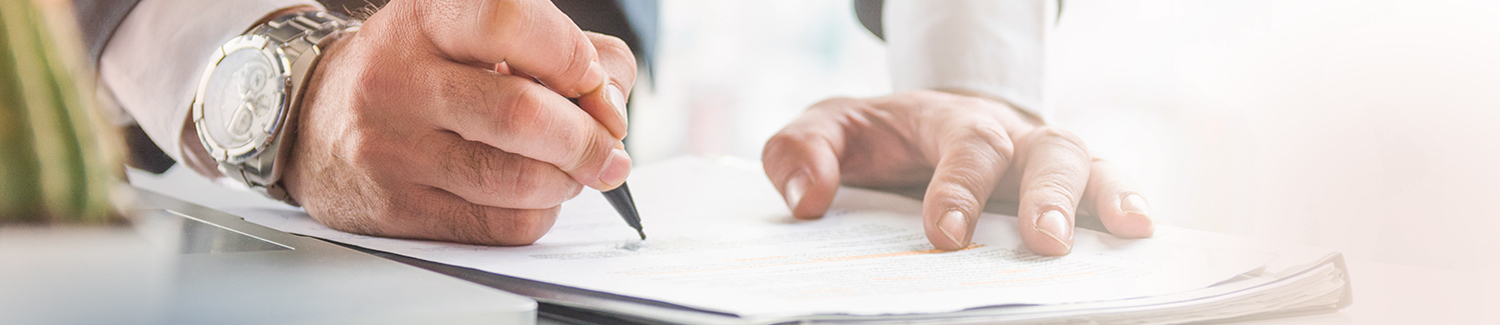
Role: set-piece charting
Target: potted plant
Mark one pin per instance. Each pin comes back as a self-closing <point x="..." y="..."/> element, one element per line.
<point x="67" y="252"/>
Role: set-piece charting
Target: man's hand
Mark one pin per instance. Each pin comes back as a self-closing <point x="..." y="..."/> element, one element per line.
<point x="963" y="150"/>
<point x="450" y="120"/>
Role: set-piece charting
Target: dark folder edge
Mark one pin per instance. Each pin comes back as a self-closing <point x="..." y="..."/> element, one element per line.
<point x="575" y="305"/>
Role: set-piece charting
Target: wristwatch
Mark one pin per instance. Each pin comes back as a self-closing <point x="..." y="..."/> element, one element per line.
<point x="246" y="107"/>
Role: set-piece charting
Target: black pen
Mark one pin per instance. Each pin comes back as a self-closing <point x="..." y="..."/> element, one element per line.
<point x="621" y="200"/>
<point x="625" y="205"/>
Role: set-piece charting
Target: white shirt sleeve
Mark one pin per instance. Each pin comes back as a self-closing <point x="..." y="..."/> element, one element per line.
<point x="152" y="65"/>
<point x="990" y="47"/>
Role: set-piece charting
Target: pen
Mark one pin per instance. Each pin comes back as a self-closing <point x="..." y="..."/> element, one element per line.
<point x="625" y="205"/>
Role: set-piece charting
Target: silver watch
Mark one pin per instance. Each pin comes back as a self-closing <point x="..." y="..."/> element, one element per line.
<point x="246" y="107"/>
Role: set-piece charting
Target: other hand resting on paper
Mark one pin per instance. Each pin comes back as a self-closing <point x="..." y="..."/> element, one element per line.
<point x="430" y="123"/>
<point x="964" y="150"/>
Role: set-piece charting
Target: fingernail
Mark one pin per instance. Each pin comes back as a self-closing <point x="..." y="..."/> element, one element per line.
<point x="953" y="225"/>
<point x="1134" y="204"/>
<point x="795" y="188"/>
<point x="596" y="77"/>
<point x="616" y="168"/>
<point x="1054" y="224"/>
<point x="616" y="97"/>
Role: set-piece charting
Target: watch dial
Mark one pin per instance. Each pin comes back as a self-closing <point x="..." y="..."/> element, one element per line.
<point x="243" y="98"/>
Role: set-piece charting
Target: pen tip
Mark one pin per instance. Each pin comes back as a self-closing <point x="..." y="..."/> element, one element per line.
<point x="643" y="234"/>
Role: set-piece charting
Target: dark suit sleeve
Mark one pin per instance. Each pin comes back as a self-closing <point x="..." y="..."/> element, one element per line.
<point x="868" y="12"/>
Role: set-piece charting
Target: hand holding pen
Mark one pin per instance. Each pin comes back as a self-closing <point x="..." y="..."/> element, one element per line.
<point x="422" y="126"/>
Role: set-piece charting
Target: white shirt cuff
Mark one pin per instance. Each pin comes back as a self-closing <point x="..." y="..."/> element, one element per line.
<point x="989" y="47"/>
<point x="153" y="64"/>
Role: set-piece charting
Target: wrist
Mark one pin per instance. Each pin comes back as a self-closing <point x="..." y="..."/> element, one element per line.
<point x="247" y="104"/>
<point x="194" y="155"/>
<point x="321" y="73"/>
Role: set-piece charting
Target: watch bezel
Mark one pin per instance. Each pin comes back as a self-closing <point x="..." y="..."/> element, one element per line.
<point x="261" y="139"/>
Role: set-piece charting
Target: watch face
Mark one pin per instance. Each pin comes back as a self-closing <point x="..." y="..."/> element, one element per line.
<point x="243" y="99"/>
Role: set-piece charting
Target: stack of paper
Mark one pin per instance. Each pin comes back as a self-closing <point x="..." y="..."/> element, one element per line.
<point x="724" y="249"/>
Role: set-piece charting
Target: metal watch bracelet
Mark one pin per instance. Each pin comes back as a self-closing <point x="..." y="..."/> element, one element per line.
<point x="302" y="36"/>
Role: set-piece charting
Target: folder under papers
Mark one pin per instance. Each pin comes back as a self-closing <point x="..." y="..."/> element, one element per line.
<point x="741" y="259"/>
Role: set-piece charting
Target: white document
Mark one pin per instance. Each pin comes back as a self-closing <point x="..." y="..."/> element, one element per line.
<point x="720" y="239"/>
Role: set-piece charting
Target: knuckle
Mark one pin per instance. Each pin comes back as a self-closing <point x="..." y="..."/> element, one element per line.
<point x="470" y="224"/>
<point x="990" y="136"/>
<point x="792" y="144"/>
<point x="507" y="179"/>
<point x="481" y="168"/>
<point x="534" y="186"/>
<point x="589" y="151"/>
<point x="957" y="195"/>
<point x="1063" y="138"/>
<point x="505" y="21"/>
<point x="609" y="42"/>
<point x="369" y="91"/>
<point x="367" y="84"/>
<point x="968" y="179"/>
<point x="613" y="46"/>
<point x="369" y="74"/>
<point x="835" y="102"/>
<point x="572" y="191"/>
<point x="777" y="145"/>
<point x="461" y="165"/>
<point x="521" y="111"/>
<point x="1053" y="187"/>
<point x="459" y="221"/>
<point x="523" y="185"/>
<point x="451" y="90"/>
<point x="523" y="227"/>
<point x="789" y="140"/>
<point x="581" y="146"/>
<point x="578" y="57"/>
<point x="366" y="150"/>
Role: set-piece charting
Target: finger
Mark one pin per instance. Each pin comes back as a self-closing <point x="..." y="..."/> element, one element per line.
<point x="1056" y="173"/>
<point x="528" y="35"/>
<point x="608" y="105"/>
<point x="802" y="160"/>
<point x="971" y="159"/>
<point x="483" y="175"/>
<point x="1113" y="197"/>
<point x="519" y="116"/>
<point x="434" y="214"/>
<point x="503" y="68"/>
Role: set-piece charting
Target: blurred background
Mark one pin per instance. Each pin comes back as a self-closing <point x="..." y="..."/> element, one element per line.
<point x="1362" y="126"/>
<point x="1365" y="126"/>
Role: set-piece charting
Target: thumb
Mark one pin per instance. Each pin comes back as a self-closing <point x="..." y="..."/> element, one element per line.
<point x="802" y="161"/>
